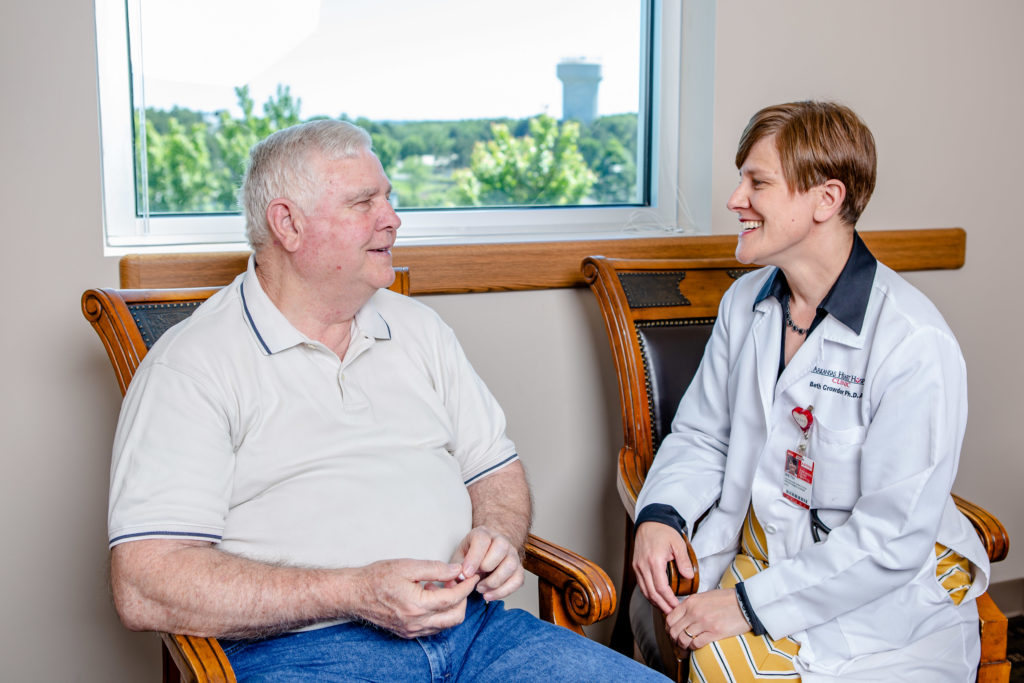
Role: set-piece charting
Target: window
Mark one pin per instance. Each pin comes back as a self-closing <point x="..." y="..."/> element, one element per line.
<point x="494" y="122"/>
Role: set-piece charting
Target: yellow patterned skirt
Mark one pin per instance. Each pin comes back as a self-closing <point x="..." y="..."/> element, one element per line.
<point x="748" y="657"/>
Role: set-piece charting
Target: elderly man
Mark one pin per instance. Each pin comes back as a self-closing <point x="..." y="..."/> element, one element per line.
<point x="309" y="469"/>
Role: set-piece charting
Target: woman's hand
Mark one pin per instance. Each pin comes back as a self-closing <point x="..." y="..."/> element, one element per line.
<point x="654" y="546"/>
<point x="706" y="617"/>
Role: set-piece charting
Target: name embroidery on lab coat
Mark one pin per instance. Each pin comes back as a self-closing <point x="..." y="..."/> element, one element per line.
<point x="838" y="382"/>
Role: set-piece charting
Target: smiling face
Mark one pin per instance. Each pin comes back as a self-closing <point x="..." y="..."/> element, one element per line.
<point x="349" y="231"/>
<point x="774" y="220"/>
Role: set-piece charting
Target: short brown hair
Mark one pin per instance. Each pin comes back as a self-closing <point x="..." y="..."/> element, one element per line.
<point x="818" y="141"/>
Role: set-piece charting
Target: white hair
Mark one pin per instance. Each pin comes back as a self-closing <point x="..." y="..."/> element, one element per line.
<point x="281" y="165"/>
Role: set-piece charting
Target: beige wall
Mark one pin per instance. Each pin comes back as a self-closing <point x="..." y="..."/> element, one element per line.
<point x="939" y="82"/>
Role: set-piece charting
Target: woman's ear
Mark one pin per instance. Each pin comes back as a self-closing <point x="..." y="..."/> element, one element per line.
<point x="832" y="193"/>
<point x="285" y="221"/>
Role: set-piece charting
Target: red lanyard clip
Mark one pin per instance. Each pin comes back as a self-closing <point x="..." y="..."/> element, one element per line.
<point x="803" y="418"/>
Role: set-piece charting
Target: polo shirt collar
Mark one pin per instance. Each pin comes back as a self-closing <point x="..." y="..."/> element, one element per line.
<point x="847" y="301"/>
<point x="275" y="333"/>
<point x="370" y="322"/>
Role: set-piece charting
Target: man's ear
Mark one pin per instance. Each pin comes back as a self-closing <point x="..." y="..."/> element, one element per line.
<point x="832" y="193"/>
<point x="285" y="221"/>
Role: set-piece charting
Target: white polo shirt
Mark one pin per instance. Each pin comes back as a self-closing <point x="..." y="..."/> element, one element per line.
<point x="239" y="430"/>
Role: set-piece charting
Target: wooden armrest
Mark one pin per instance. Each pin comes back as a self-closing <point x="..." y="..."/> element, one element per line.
<point x="574" y="591"/>
<point x="991" y="530"/>
<point x="199" y="660"/>
<point x="630" y="479"/>
<point x="680" y="585"/>
<point x="994" y="665"/>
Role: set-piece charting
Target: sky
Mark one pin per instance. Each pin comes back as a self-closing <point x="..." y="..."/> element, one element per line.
<point x="391" y="59"/>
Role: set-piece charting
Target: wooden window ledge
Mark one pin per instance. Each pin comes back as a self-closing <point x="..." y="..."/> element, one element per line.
<point x="538" y="265"/>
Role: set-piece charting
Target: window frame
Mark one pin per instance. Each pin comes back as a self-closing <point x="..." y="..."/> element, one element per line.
<point x="126" y="232"/>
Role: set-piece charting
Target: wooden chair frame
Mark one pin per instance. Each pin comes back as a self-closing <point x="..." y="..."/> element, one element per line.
<point x="573" y="592"/>
<point x="690" y="289"/>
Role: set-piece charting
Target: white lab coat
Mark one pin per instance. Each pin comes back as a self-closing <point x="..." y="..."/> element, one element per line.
<point x="890" y="409"/>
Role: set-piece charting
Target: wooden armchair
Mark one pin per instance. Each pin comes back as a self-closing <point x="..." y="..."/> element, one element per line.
<point x="658" y="315"/>
<point x="573" y="592"/>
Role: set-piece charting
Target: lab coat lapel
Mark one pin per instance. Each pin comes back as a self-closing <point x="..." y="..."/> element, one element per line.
<point x="835" y="331"/>
<point x="802" y="362"/>
<point x="767" y="338"/>
<point x="812" y="351"/>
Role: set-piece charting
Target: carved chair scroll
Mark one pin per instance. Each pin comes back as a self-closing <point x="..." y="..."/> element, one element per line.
<point x="573" y="591"/>
<point x="658" y="315"/>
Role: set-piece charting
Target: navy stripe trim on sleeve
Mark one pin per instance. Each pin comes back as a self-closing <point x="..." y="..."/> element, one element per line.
<point x="514" y="456"/>
<point x="190" y="534"/>
<point x="252" y="324"/>
<point x="748" y="612"/>
<point x="662" y="513"/>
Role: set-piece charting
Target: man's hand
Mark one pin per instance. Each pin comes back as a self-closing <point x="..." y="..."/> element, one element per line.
<point x="493" y="559"/>
<point x="501" y="522"/>
<point x="654" y="546"/>
<point x="706" y="617"/>
<point x="414" y="598"/>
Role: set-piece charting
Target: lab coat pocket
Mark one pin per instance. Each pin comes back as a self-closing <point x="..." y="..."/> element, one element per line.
<point x="836" y="455"/>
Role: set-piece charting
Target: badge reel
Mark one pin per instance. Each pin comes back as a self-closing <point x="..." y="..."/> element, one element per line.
<point x="798" y="479"/>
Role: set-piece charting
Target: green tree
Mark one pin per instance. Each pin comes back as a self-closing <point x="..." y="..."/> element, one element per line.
<point x="195" y="163"/>
<point x="180" y="173"/>
<point x="413" y="146"/>
<point x="464" y="135"/>
<point x="615" y="169"/>
<point x="609" y="147"/>
<point x="160" y="119"/>
<point x="411" y="181"/>
<point x="196" y="160"/>
<point x="387" y="149"/>
<point x="543" y="167"/>
<point x="235" y="137"/>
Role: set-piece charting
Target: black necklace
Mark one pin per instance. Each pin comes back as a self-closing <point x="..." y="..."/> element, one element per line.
<point x="789" y="321"/>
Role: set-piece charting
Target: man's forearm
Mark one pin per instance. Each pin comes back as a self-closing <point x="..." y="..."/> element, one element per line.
<point x="501" y="502"/>
<point x="192" y="588"/>
<point x="199" y="590"/>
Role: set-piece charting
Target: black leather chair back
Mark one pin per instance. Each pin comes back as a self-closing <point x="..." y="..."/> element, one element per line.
<point x="659" y="314"/>
<point x="154" y="319"/>
<point x="672" y="350"/>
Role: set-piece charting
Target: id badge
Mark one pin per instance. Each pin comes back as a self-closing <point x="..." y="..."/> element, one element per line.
<point x="798" y="479"/>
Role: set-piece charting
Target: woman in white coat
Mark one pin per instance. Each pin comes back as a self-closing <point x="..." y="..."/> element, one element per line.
<point x="817" y="444"/>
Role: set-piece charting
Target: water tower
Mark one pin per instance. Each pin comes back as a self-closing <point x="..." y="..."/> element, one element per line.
<point x="579" y="89"/>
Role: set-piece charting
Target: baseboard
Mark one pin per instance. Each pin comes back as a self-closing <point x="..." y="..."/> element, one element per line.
<point x="1009" y="596"/>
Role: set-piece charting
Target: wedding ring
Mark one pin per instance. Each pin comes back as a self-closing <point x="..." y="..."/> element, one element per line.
<point x="690" y="635"/>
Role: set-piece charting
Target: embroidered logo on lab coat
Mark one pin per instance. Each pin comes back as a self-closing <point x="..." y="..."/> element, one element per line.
<point x="838" y="382"/>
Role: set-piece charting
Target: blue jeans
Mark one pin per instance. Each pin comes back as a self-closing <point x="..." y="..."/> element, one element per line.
<point x="491" y="644"/>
